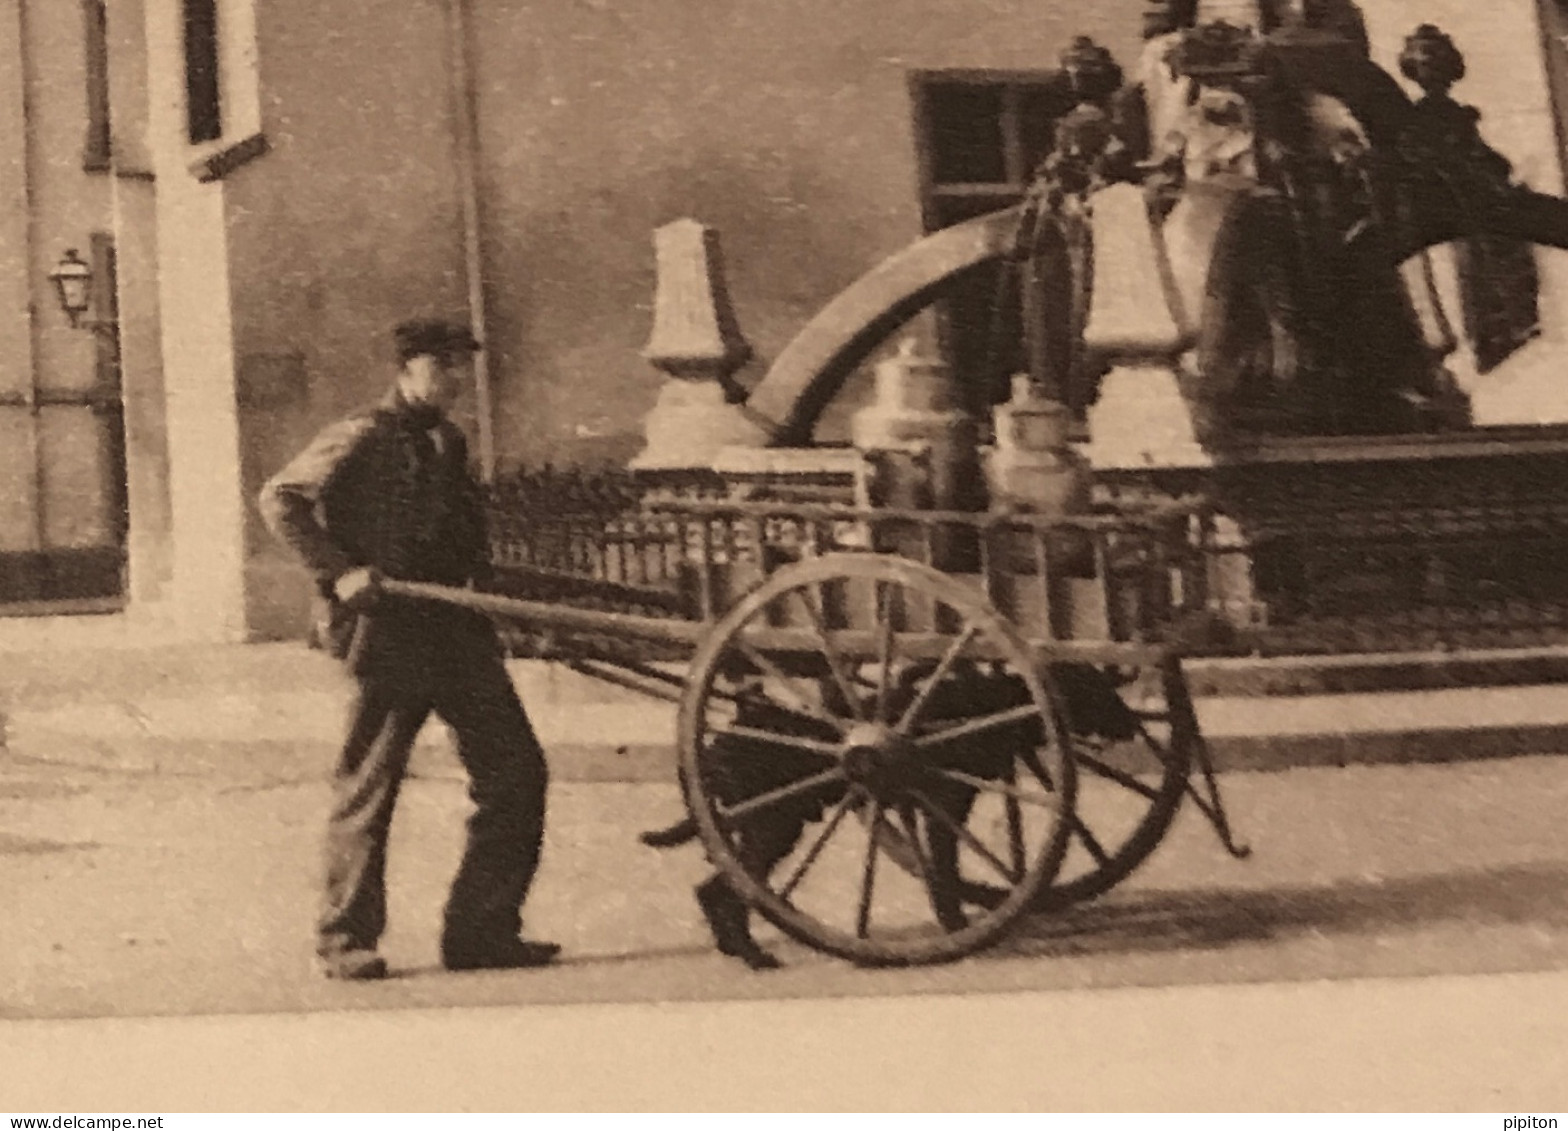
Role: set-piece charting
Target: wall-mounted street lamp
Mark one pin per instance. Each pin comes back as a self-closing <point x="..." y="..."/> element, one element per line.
<point x="73" y="282"/>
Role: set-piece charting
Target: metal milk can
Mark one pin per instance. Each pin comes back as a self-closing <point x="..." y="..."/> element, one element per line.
<point x="1042" y="577"/>
<point x="920" y="451"/>
<point x="1033" y="467"/>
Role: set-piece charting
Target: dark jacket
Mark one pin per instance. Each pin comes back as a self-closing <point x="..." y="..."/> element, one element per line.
<point x="390" y="488"/>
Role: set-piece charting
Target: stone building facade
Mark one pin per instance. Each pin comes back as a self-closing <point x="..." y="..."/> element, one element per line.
<point x="274" y="184"/>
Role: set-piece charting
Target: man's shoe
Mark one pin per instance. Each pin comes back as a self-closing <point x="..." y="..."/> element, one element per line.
<point x="508" y="954"/>
<point x="353" y="966"/>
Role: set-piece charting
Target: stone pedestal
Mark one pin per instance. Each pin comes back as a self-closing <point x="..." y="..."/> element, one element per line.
<point x="1233" y="592"/>
<point x="1141" y="417"/>
<point x="690" y="424"/>
<point x="1130" y="312"/>
<point x="697" y="342"/>
<point x="1142" y="420"/>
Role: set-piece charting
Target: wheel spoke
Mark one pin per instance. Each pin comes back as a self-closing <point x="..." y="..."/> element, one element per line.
<point x="950" y="916"/>
<point x="869" y="875"/>
<point x="782" y="793"/>
<point x="1120" y="777"/>
<point x="1031" y="758"/>
<point x="977" y="725"/>
<point x="963" y="834"/>
<point x="728" y="706"/>
<point x="776" y="738"/>
<point x="1162" y="750"/>
<point x="850" y="799"/>
<point x="797" y="703"/>
<point x="960" y="642"/>
<point x="1096" y="849"/>
<point x="835" y="663"/>
<point x="987" y="785"/>
<point x="885" y="647"/>
<point x="1015" y="835"/>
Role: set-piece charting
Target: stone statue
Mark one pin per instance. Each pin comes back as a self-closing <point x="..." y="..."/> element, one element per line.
<point x="1498" y="278"/>
<point x="1257" y="181"/>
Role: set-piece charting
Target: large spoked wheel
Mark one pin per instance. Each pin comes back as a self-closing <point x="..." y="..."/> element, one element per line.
<point x="859" y="710"/>
<point x="1133" y="736"/>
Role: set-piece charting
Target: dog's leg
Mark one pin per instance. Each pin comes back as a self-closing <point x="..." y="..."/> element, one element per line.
<point x="669" y="837"/>
<point x="730" y="921"/>
<point x="764" y="842"/>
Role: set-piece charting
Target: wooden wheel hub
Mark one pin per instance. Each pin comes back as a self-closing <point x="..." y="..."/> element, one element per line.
<point x="873" y="752"/>
<point x="853" y="786"/>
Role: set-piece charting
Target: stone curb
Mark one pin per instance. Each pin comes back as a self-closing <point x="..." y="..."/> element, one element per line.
<point x="615" y="743"/>
<point x="260" y="764"/>
<point x="272" y="712"/>
<point x="1339" y="675"/>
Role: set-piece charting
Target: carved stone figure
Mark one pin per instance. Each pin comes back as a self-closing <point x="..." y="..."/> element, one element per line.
<point x="1498" y="278"/>
<point x="1259" y="172"/>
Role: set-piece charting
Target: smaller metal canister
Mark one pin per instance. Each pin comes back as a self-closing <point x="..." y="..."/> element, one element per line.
<point x="1033" y="467"/>
<point x="915" y="414"/>
<point x="921" y="452"/>
<point x="1037" y="573"/>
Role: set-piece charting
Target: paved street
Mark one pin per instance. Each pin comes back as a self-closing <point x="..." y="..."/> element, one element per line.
<point x="130" y="892"/>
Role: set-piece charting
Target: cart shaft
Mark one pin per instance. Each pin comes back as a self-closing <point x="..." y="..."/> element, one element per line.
<point x="540" y="615"/>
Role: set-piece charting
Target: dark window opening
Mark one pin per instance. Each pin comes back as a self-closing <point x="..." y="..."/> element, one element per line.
<point x="203" y="108"/>
<point x="979" y="136"/>
<point x="964" y="129"/>
<point x="96" y="149"/>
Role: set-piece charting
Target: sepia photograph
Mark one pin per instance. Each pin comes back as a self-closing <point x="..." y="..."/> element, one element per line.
<point x="550" y="528"/>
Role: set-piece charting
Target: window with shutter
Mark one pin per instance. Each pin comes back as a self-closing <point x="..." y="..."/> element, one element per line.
<point x="96" y="148"/>
<point x="203" y="105"/>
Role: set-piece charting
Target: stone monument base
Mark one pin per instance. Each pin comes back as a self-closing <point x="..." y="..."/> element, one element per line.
<point x="690" y="424"/>
<point x="1141" y="419"/>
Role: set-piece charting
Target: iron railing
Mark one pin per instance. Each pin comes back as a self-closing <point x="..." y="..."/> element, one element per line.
<point x="1457" y="547"/>
<point x="1134" y="576"/>
<point x="1284" y="557"/>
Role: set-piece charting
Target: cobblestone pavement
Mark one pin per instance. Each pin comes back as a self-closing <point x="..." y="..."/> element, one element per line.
<point x="161" y="893"/>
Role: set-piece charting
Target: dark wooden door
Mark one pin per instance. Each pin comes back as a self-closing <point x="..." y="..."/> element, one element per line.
<point x="64" y="513"/>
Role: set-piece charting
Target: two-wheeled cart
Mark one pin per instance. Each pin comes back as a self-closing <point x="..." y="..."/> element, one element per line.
<point x="898" y="731"/>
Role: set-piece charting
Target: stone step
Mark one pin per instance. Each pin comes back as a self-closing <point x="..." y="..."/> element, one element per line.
<point x="596" y="733"/>
<point x="1374" y="672"/>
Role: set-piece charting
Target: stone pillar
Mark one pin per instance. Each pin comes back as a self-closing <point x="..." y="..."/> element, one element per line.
<point x="207" y="505"/>
<point x="1233" y="594"/>
<point x="1142" y="418"/>
<point x="135" y="204"/>
<point x="696" y="341"/>
<point x="18" y="477"/>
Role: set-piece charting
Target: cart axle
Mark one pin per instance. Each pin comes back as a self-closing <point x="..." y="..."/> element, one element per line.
<point x="875" y="752"/>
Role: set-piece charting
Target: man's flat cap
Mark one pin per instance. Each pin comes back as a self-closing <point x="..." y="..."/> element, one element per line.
<point x="432" y="336"/>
